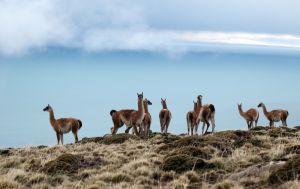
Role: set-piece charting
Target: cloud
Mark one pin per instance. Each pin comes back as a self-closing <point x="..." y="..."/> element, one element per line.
<point x="106" y="25"/>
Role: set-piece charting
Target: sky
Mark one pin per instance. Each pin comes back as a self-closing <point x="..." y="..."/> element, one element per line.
<point x="86" y="58"/>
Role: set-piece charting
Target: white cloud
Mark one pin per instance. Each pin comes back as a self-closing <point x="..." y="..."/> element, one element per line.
<point x="104" y="25"/>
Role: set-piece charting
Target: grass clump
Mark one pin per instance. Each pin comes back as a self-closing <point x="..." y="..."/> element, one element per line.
<point x="64" y="164"/>
<point x="289" y="171"/>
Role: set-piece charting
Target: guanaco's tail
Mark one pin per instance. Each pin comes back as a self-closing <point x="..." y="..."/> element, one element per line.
<point x="80" y="123"/>
<point x="112" y="112"/>
<point x="212" y="108"/>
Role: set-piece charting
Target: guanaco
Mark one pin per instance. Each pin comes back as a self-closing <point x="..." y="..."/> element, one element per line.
<point x="275" y="115"/>
<point x="250" y="116"/>
<point x="147" y="119"/>
<point x="191" y="119"/>
<point x="129" y="117"/>
<point x="165" y="117"/>
<point x="63" y="125"/>
<point x="206" y="114"/>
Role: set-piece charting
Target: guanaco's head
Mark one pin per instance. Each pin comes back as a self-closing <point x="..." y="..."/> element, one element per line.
<point x="148" y="101"/>
<point x="47" y="108"/>
<point x="199" y="97"/>
<point x="140" y="96"/>
<point x="260" y="104"/>
<point x="164" y="102"/>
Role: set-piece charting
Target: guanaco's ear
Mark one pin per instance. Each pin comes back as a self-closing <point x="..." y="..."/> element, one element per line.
<point x="161" y="99"/>
<point x="165" y="99"/>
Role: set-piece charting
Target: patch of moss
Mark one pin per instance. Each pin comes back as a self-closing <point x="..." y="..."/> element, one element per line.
<point x="181" y="163"/>
<point x="259" y="128"/>
<point x="289" y="171"/>
<point x="93" y="139"/>
<point x="64" y="164"/>
<point x="188" y="141"/>
<point x="117" y="139"/>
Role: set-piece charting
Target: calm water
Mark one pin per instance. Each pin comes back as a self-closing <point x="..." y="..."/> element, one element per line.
<point x="88" y="86"/>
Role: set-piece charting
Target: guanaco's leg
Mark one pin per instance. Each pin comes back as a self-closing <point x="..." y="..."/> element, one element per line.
<point x="62" y="138"/>
<point x="58" y="138"/>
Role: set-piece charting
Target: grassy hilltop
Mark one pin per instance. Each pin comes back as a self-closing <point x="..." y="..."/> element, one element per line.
<point x="260" y="158"/>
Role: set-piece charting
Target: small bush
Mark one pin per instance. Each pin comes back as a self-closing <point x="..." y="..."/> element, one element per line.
<point x="66" y="163"/>
<point x="192" y="151"/>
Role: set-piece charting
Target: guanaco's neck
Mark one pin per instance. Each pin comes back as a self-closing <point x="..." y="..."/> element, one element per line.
<point x="199" y="105"/>
<point x="242" y="113"/>
<point x="164" y="104"/>
<point x="141" y="109"/>
<point x="146" y="107"/>
<point x="52" y="118"/>
<point x="265" y="110"/>
<point x="195" y="108"/>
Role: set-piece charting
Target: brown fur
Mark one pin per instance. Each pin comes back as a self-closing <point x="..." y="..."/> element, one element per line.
<point x="117" y="117"/>
<point x="250" y="116"/>
<point x="131" y="118"/>
<point x="147" y="119"/>
<point x="191" y="119"/>
<point x="165" y="117"/>
<point x="275" y="115"/>
<point x="63" y="125"/>
<point x="206" y="113"/>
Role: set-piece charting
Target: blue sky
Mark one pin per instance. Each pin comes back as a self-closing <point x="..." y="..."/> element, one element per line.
<point x="86" y="58"/>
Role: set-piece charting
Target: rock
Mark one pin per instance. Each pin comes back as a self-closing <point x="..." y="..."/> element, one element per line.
<point x="256" y="170"/>
<point x="287" y="172"/>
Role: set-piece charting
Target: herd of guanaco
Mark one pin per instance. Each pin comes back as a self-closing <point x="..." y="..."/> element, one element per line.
<point x="140" y="120"/>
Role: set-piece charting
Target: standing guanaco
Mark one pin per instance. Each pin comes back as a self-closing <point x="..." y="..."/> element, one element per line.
<point x="275" y="115"/>
<point x="165" y="117"/>
<point x="191" y="119"/>
<point x="147" y="119"/>
<point x="63" y="125"/>
<point x="250" y="116"/>
<point x="206" y="113"/>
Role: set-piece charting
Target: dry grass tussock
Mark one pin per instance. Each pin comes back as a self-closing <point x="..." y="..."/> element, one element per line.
<point x="260" y="158"/>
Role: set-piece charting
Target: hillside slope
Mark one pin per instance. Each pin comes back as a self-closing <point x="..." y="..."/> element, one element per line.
<point x="260" y="158"/>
